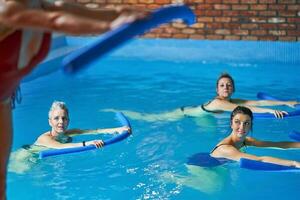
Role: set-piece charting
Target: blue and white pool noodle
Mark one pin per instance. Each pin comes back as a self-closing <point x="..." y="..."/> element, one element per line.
<point x="122" y="119"/>
<point x="113" y="39"/>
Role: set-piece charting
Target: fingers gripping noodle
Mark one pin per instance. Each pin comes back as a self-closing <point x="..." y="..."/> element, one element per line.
<point x="122" y="119"/>
<point x="205" y="160"/>
<point x="117" y="37"/>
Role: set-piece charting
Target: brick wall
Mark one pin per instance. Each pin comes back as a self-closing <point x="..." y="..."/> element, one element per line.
<point x="225" y="19"/>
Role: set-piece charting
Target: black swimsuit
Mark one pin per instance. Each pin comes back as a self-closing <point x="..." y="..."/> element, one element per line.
<point x="244" y="144"/>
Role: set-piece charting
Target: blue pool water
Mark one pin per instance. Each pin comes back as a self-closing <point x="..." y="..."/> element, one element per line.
<point x="153" y="76"/>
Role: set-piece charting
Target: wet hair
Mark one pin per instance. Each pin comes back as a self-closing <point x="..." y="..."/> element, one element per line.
<point x="226" y="75"/>
<point x="242" y="110"/>
<point x="58" y="105"/>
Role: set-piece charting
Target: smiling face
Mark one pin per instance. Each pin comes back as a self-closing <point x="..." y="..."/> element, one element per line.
<point x="241" y="124"/>
<point x="225" y="88"/>
<point x="59" y="121"/>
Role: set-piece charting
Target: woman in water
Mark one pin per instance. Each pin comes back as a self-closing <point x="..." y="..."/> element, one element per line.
<point x="223" y="101"/>
<point x="58" y="137"/>
<point x="231" y="147"/>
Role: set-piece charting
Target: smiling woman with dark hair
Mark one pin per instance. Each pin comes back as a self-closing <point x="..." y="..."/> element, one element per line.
<point x="241" y="123"/>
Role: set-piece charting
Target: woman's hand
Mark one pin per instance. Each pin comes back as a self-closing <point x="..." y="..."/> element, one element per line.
<point x="96" y="143"/>
<point x="295" y="164"/>
<point x="278" y="113"/>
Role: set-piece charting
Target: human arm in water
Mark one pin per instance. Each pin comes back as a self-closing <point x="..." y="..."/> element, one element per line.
<point x="225" y="105"/>
<point x="265" y="102"/>
<point x="232" y="153"/>
<point x="49" y="141"/>
<point x="119" y="130"/>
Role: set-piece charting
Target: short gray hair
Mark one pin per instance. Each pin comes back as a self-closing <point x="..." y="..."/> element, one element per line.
<point x="58" y="105"/>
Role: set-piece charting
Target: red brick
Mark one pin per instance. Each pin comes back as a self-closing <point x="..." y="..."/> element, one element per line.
<point x="188" y="31"/>
<point x="222" y="7"/>
<point x="249" y="26"/>
<point x="293" y="33"/>
<point x="146" y="1"/>
<point x="287" y="1"/>
<point x="232" y="37"/>
<point x="130" y="1"/>
<point x="293" y="20"/>
<point x="258" y="32"/>
<point x="212" y="13"/>
<point x="277" y="7"/>
<point x="267" y="1"/>
<point x="288" y="13"/>
<point x="248" y="13"/>
<point x="294" y="7"/>
<point x="214" y="25"/>
<point x="214" y="37"/>
<point x="153" y="6"/>
<point x="231" y="1"/>
<point x="162" y="1"/>
<point x="179" y="25"/>
<point x="205" y="19"/>
<point x="222" y="19"/>
<point x="258" y="19"/>
<point x="205" y="7"/>
<point x="287" y="38"/>
<point x="240" y="7"/>
<point x="269" y="38"/>
<point x="258" y="7"/>
<point x="277" y="32"/>
<point x="229" y="13"/>
<point x="267" y="13"/>
<point x="268" y="26"/>
<point x="240" y="32"/>
<point x="197" y="37"/>
<point x="213" y="1"/>
<point x="222" y="32"/>
<point x="248" y="1"/>
<point x="287" y="26"/>
<point x="253" y="38"/>
<point x="198" y="25"/>
<point x="171" y="30"/>
<point x="232" y="26"/>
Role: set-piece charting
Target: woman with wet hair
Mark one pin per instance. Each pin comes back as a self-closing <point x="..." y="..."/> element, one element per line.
<point x="231" y="147"/>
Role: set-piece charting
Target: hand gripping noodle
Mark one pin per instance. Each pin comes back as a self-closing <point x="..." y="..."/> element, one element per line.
<point x="122" y="119"/>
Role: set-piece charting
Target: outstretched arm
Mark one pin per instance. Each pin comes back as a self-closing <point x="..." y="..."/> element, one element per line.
<point x="224" y="105"/>
<point x="230" y="152"/>
<point x="266" y="102"/>
<point x="64" y="18"/>
<point x="47" y="141"/>
<point x="119" y="130"/>
<point x="282" y="144"/>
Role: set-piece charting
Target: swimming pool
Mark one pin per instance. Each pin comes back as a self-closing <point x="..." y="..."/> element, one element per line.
<point x="153" y="76"/>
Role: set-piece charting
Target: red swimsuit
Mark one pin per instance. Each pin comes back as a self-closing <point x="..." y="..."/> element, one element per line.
<point x="20" y="52"/>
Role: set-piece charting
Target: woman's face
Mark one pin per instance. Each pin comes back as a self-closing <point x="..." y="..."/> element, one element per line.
<point x="241" y="125"/>
<point x="225" y="88"/>
<point x="59" y="120"/>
